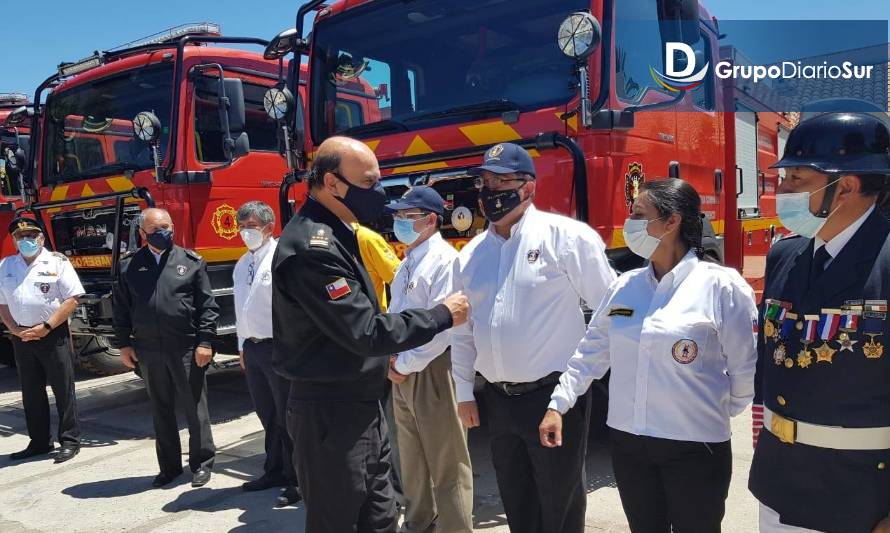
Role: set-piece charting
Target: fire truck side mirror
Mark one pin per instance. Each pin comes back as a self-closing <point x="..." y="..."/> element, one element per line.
<point x="282" y="44"/>
<point x="234" y="108"/>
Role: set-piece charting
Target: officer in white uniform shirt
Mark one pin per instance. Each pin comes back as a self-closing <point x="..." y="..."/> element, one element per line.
<point x="525" y="277"/>
<point x="678" y="336"/>
<point x="253" y="318"/>
<point x="436" y="475"/>
<point x="38" y="292"/>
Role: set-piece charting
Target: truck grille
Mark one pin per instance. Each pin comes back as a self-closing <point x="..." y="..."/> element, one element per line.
<point x="90" y="232"/>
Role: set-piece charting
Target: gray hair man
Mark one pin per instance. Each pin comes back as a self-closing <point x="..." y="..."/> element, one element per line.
<point x="252" y="280"/>
<point x="164" y="319"/>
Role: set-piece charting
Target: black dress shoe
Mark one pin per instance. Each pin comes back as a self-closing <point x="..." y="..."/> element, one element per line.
<point x="67" y="452"/>
<point x="163" y="478"/>
<point x="201" y="477"/>
<point x="29" y="452"/>
<point x="289" y="496"/>
<point x="263" y="483"/>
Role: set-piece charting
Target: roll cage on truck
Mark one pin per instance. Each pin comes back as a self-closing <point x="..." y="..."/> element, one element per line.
<point x="175" y="120"/>
<point x="570" y="81"/>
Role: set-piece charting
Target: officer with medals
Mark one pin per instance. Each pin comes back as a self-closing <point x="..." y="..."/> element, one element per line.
<point x="165" y="321"/>
<point x="332" y="341"/>
<point x="38" y="292"/>
<point x="823" y="378"/>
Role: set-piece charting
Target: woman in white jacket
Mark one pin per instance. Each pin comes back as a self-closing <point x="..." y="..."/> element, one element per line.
<point x="678" y="337"/>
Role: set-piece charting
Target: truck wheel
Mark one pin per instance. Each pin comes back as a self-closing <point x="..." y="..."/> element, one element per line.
<point x="97" y="356"/>
<point x="7" y="357"/>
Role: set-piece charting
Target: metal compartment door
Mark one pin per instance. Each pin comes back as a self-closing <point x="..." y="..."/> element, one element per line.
<point x="746" y="162"/>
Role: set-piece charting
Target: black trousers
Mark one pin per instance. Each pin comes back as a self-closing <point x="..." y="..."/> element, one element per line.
<point x="170" y="380"/>
<point x="543" y="489"/>
<point x="41" y="362"/>
<point x="342" y="456"/>
<point x="667" y="484"/>
<point x="269" y="392"/>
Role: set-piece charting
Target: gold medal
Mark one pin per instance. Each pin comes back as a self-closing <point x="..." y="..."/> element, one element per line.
<point x="843" y="337"/>
<point x="872" y="349"/>
<point x="769" y="329"/>
<point x="804" y="358"/>
<point x="824" y="353"/>
<point x="789" y="363"/>
<point x="779" y="354"/>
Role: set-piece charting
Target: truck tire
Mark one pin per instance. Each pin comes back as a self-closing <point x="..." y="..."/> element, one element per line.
<point x="7" y="357"/>
<point x="96" y="356"/>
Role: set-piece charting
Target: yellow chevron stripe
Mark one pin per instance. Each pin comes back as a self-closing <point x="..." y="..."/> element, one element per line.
<point x="119" y="183"/>
<point x="373" y="145"/>
<point x="419" y="147"/>
<point x="218" y="255"/>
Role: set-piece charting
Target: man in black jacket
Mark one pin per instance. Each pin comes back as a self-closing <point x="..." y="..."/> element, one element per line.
<point x="165" y="320"/>
<point x="333" y="343"/>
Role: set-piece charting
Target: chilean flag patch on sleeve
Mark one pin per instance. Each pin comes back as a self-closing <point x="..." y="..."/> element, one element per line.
<point x="338" y="289"/>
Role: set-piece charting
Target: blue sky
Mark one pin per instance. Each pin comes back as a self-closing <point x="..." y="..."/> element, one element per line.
<point x="51" y="31"/>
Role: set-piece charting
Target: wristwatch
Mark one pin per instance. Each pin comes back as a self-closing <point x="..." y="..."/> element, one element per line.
<point x="47" y="326"/>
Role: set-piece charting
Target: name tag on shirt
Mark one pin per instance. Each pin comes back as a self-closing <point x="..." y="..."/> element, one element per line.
<point x="621" y="311"/>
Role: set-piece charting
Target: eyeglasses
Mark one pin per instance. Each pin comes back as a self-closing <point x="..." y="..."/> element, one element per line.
<point x="410" y="216"/>
<point x="495" y="183"/>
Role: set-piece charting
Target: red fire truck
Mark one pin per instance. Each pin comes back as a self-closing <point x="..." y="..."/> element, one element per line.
<point x="571" y="81"/>
<point x="174" y="120"/>
<point x="15" y="122"/>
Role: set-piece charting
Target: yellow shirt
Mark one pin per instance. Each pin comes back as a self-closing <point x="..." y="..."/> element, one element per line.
<point x="379" y="259"/>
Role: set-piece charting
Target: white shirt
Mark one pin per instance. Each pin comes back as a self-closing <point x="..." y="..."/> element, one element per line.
<point x="252" y="279"/>
<point x="837" y="243"/>
<point x="156" y="255"/>
<point x="422" y="281"/>
<point x="525" y="315"/>
<point x="34" y="292"/>
<point x="682" y="362"/>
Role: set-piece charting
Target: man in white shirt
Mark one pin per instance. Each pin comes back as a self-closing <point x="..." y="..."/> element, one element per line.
<point x="38" y="292"/>
<point x="437" y="478"/>
<point x="525" y="277"/>
<point x="252" y="279"/>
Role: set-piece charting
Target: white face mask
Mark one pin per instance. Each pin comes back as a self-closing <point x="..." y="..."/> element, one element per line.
<point x="638" y="239"/>
<point x="253" y="238"/>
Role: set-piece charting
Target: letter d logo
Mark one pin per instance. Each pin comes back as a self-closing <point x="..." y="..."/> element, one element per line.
<point x="670" y="53"/>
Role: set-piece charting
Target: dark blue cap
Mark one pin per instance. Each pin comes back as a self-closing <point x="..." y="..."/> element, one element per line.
<point x="506" y="158"/>
<point x="419" y="197"/>
<point x="22" y="224"/>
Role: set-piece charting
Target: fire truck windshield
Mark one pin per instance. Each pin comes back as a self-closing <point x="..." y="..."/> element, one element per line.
<point x="89" y="128"/>
<point x="391" y="66"/>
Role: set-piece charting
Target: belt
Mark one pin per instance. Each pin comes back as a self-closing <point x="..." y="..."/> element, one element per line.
<point x="833" y="437"/>
<point x="518" y="389"/>
<point x="258" y="341"/>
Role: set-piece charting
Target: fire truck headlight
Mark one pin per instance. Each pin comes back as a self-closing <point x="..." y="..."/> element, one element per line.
<point x="579" y="35"/>
<point x="278" y="102"/>
<point x="147" y="127"/>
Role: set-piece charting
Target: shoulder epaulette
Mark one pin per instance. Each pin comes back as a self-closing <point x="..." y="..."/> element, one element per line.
<point x="193" y="254"/>
<point x="127" y="255"/>
<point x="320" y="237"/>
<point x="60" y="255"/>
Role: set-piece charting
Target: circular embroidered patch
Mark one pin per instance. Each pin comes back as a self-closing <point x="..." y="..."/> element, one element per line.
<point x="685" y="351"/>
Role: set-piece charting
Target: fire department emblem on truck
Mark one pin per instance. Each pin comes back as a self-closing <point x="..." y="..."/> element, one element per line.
<point x="224" y="223"/>
<point x="633" y="180"/>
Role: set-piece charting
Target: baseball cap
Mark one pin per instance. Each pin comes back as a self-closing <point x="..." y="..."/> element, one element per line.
<point x="419" y="197"/>
<point x="506" y="158"/>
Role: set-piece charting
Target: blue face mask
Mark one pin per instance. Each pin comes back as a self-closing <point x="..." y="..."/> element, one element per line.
<point x="404" y="230"/>
<point x="794" y="211"/>
<point x="28" y="247"/>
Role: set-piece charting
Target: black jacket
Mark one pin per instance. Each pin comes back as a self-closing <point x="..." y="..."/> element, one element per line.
<point x="328" y="331"/>
<point x="163" y="307"/>
<point x="817" y="488"/>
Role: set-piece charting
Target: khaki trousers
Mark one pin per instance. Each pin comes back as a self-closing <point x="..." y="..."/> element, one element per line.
<point x="437" y="477"/>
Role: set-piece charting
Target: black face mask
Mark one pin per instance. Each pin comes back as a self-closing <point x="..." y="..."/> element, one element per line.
<point x="161" y="239"/>
<point x="366" y="204"/>
<point x="497" y="204"/>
